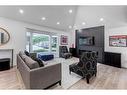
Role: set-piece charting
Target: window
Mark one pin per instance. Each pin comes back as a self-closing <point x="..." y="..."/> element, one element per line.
<point x="54" y="43"/>
<point x="40" y="42"/>
<point x="37" y="42"/>
<point x="28" y="35"/>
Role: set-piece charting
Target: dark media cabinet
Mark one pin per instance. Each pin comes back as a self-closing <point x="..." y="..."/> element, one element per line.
<point x="112" y="59"/>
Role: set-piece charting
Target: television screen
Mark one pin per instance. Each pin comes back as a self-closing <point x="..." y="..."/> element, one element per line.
<point x="86" y="41"/>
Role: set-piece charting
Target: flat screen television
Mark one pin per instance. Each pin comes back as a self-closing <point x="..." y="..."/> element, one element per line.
<point x="88" y="40"/>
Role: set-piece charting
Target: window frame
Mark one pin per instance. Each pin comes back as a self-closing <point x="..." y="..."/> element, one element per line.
<point x="50" y="42"/>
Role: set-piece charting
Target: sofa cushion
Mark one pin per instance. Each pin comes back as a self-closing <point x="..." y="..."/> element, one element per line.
<point x="22" y="55"/>
<point x="40" y="62"/>
<point x="31" y="63"/>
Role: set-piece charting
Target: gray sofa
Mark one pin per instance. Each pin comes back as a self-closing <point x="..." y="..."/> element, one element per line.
<point x="38" y="77"/>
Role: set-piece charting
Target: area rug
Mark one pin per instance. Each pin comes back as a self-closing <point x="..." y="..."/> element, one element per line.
<point x="67" y="79"/>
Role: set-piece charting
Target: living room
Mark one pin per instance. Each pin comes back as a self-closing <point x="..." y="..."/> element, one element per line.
<point x="98" y="34"/>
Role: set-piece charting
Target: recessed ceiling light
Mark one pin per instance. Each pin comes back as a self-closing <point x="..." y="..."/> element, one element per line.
<point x="58" y="23"/>
<point x="21" y="11"/>
<point x="101" y="19"/>
<point x="43" y="18"/>
<point x="75" y="26"/>
<point x="70" y="11"/>
<point x="83" y="23"/>
<point x="70" y="26"/>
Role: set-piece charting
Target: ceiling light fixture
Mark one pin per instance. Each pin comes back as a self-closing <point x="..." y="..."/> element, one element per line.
<point x="70" y="26"/>
<point x="58" y="23"/>
<point x="43" y="18"/>
<point x="75" y="27"/>
<point x="70" y="11"/>
<point x="21" y="11"/>
<point x="101" y="19"/>
<point x="83" y="23"/>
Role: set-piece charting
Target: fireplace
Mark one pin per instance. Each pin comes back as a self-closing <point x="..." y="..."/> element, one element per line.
<point x="4" y="64"/>
<point x="81" y="51"/>
<point x="7" y="53"/>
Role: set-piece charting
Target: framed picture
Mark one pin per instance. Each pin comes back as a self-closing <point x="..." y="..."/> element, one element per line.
<point x="118" y="41"/>
<point x="64" y="40"/>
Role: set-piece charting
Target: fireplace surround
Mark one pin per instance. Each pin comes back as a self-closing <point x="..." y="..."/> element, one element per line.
<point x="7" y="53"/>
<point x="4" y="64"/>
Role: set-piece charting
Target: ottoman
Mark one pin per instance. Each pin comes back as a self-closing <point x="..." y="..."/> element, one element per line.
<point x="45" y="57"/>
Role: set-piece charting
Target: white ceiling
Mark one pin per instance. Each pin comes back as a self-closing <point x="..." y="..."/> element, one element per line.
<point x="33" y="14"/>
<point x="113" y="15"/>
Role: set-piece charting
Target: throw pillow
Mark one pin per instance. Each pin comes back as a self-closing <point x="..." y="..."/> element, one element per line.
<point x="40" y="62"/>
<point x="27" y="53"/>
<point x="31" y="63"/>
<point x="22" y="55"/>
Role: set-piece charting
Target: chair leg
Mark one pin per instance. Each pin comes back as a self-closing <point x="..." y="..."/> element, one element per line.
<point x="95" y="74"/>
<point x="83" y="77"/>
<point x="87" y="79"/>
<point x="60" y="82"/>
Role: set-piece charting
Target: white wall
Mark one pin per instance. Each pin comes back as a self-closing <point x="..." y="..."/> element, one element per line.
<point x="114" y="22"/>
<point x="114" y="16"/>
<point x="111" y="32"/>
<point x="72" y="37"/>
<point x="122" y="50"/>
<point x="17" y="31"/>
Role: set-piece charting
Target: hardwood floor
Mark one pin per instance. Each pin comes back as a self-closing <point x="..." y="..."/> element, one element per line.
<point x="9" y="79"/>
<point x="107" y="78"/>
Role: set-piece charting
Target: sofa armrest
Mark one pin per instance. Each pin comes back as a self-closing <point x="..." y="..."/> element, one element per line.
<point x="45" y="76"/>
<point x="24" y="71"/>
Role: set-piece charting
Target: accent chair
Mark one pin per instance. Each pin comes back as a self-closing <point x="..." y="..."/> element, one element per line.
<point x="63" y="52"/>
<point x="87" y="66"/>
